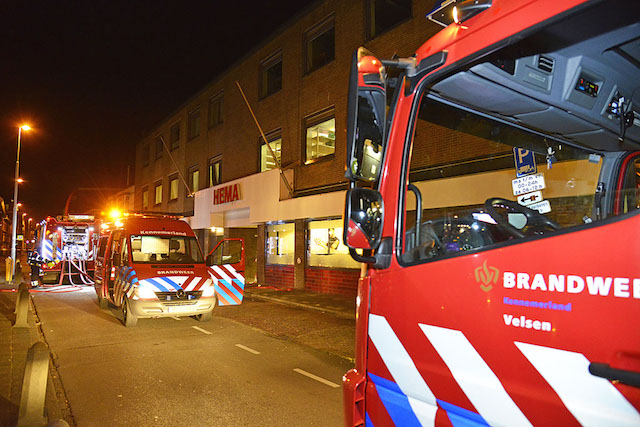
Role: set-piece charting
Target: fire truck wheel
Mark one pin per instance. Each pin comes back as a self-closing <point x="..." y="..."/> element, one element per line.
<point x="129" y="319"/>
<point x="205" y="317"/>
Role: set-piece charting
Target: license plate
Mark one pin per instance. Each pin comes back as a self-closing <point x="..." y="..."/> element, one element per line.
<point x="180" y="308"/>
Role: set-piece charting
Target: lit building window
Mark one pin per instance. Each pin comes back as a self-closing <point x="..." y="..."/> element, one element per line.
<point x="173" y="188"/>
<point x="145" y="198"/>
<point x="319" y="45"/>
<point x="215" y="110"/>
<point x="194" y="179"/>
<point x="325" y="245"/>
<point x="267" y="162"/>
<point x="194" y="124"/>
<point x="320" y="137"/>
<point x="215" y="171"/>
<point x="271" y="75"/>
<point x="280" y="244"/>
<point x="158" y="194"/>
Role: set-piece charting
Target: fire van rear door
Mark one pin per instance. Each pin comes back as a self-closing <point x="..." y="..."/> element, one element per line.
<point x="226" y="265"/>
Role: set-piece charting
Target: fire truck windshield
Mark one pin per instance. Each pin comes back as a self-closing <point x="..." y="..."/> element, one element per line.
<point x="165" y="250"/>
<point x="483" y="182"/>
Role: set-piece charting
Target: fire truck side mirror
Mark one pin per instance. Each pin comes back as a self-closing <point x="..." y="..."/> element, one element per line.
<point x="364" y="217"/>
<point x="366" y="117"/>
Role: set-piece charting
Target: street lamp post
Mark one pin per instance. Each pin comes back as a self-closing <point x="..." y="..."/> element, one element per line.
<point x="14" y="222"/>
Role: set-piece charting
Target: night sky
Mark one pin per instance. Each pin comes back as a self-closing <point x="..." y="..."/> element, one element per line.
<point x="93" y="77"/>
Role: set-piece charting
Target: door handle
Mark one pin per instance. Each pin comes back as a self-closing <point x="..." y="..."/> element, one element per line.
<point x="623" y="376"/>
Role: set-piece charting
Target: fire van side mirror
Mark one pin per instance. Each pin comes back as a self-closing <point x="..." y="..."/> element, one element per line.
<point x="364" y="218"/>
<point x="366" y="116"/>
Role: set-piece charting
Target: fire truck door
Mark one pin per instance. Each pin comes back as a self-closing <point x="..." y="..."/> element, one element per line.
<point x="226" y="263"/>
<point x="515" y="332"/>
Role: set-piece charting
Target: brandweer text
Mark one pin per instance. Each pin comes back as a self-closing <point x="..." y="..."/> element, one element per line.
<point x="622" y="287"/>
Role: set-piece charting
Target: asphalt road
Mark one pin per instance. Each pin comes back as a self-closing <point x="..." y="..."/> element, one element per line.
<point x="183" y="372"/>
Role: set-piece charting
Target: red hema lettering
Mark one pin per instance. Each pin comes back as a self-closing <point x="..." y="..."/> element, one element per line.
<point x="226" y="194"/>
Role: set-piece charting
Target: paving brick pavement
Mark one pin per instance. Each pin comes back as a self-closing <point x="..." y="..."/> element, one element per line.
<point x="14" y="344"/>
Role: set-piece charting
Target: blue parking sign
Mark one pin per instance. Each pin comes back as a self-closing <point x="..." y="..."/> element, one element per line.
<point x="525" y="161"/>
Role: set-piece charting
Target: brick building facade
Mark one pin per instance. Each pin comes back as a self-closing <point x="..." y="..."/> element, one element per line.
<point x="296" y="82"/>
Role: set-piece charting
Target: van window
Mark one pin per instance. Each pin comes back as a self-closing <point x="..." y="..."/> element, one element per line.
<point x="463" y="167"/>
<point x="165" y="250"/>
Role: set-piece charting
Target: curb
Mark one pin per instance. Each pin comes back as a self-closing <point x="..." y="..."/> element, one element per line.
<point x="336" y="313"/>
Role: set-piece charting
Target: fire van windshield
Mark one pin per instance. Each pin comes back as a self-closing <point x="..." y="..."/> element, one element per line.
<point x="165" y="250"/>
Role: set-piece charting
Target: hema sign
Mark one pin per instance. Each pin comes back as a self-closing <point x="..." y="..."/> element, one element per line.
<point x="230" y="193"/>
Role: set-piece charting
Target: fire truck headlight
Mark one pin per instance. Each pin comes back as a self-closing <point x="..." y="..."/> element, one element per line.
<point x="208" y="291"/>
<point x="144" y="293"/>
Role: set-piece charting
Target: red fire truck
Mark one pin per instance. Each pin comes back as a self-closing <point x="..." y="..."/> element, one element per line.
<point x="63" y="248"/>
<point x="494" y="197"/>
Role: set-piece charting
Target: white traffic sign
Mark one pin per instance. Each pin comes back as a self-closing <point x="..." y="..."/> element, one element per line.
<point x="530" y="198"/>
<point x="528" y="184"/>
<point x="542" y="207"/>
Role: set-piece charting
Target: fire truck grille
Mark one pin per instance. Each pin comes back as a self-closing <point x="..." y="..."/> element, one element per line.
<point x="173" y="296"/>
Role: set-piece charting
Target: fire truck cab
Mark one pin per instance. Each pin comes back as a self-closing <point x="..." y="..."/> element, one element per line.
<point x="63" y="247"/>
<point x="495" y="199"/>
<point x="150" y="265"/>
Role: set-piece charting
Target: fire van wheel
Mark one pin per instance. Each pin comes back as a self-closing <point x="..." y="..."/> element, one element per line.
<point x="129" y="319"/>
<point x="205" y="317"/>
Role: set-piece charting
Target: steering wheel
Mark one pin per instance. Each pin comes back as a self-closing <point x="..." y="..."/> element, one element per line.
<point x="534" y="217"/>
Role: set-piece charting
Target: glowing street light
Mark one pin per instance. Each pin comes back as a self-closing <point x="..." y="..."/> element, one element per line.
<point x="14" y="224"/>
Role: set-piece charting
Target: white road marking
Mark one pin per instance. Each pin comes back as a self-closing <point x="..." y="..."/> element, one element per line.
<point x="250" y="350"/>
<point x="201" y="330"/>
<point x="315" y="377"/>
<point x="176" y="317"/>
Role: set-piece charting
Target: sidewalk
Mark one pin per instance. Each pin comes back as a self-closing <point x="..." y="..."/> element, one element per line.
<point x="339" y="305"/>
<point x="14" y="344"/>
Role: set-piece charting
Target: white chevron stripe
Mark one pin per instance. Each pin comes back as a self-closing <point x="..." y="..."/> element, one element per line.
<point x="403" y="370"/>
<point x="224" y="272"/>
<point x="221" y="272"/>
<point x="592" y="400"/>
<point x="192" y="284"/>
<point x="476" y="379"/>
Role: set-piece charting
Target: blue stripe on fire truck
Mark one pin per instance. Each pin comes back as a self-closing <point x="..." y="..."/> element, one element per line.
<point x="227" y="291"/>
<point x="159" y="286"/>
<point x="395" y="402"/>
<point x="170" y="282"/>
<point x="461" y="417"/>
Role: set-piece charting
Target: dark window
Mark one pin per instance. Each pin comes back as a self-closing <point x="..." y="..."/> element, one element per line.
<point x="215" y="171"/>
<point x="194" y="124"/>
<point x="383" y="15"/>
<point x="215" y="110"/>
<point x="319" y="44"/>
<point x="159" y="148"/>
<point x="175" y="136"/>
<point x="271" y="75"/>
<point x="320" y="135"/>
<point x="146" y="154"/>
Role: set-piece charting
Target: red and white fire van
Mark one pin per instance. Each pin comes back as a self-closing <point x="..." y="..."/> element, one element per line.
<point x="150" y="265"/>
<point x="495" y="200"/>
<point x="63" y="248"/>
